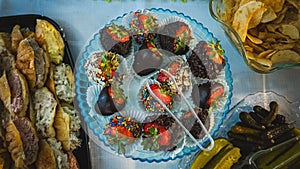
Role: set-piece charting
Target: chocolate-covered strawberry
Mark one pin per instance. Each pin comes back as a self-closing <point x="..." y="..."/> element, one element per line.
<point x="175" y="37"/>
<point x="116" y="39"/>
<point x="207" y="60"/>
<point x="160" y="134"/>
<point x="147" y="60"/>
<point x="190" y="122"/>
<point x="110" y="100"/>
<point x="143" y="27"/>
<point x="204" y="94"/>
<point x="162" y="92"/>
<point x="122" y="131"/>
<point x="180" y="70"/>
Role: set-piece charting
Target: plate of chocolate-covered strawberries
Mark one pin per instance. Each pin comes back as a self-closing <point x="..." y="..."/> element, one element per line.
<point x="153" y="85"/>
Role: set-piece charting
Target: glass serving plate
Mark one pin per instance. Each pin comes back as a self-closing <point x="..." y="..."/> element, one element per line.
<point x="217" y="8"/>
<point x="290" y="109"/>
<point x="87" y="93"/>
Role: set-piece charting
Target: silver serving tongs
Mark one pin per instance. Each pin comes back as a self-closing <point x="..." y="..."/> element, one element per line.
<point x="177" y="120"/>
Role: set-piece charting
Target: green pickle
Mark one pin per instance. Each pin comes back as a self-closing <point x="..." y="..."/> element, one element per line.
<point x="223" y="155"/>
<point x="225" y="159"/>
<point x="283" y="157"/>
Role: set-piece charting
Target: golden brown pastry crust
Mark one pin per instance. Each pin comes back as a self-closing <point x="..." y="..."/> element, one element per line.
<point x="7" y="60"/>
<point x="16" y="38"/>
<point x="25" y="93"/>
<point x="45" y="106"/>
<point x="27" y="33"/>
<point x="5" y="40"/>
<point x="46" y="158"/>
<point x="50" y="40"/>
<point x="62" y="126"/>
<point x="50" y="80"/>
<point x="5" y="94"/>
<point x="73" y="163"/>
<point x="29" y="139"/>
<point x="25" y="62"/>
<point x="15" y="147"/>
<point x="64" y="82"/>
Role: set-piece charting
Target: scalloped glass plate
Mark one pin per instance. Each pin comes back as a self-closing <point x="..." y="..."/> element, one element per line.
<point x="290" y="109"/>
<point x="96" y="122"/>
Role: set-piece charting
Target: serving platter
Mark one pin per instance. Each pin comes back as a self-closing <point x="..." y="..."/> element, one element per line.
<point x="88" y="90"/>
<point x="82" y="154"/>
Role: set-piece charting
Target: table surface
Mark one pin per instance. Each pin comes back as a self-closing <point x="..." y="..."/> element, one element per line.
<point x="80" y="19"/>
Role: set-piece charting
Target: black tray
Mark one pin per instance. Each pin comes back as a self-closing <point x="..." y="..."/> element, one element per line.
<point x="6" y="25"/>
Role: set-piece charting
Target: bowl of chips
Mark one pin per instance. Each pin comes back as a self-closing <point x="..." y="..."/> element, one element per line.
<point x="265" y="32"/>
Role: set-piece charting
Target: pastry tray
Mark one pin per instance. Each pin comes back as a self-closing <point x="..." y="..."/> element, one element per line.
<point x="29" y="20"/>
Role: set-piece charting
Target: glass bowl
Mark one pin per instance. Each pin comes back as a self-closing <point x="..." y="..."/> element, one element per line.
<point x="290" y="109"/>
<point x="262" y="62"/>
<point x="87" y="93"/>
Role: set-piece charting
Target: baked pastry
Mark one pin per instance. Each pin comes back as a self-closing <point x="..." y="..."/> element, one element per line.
<point x="16" y="38"/>
<point x="19" y="92"/>
<point x="7" y="60"/>
<point x="175" y="37"/>
<point x="45" y="107"/>
<point x="49" y="38"/>
<point x="64" y="82"/>
<point x="33" y="62"/>
<point x="61" y="157"/>
<point x="67" y="125"/>
<point x="5" y="160"/>
<point x="51" y="156"/>
<point x="46" y="158"/>
<point x="115" y="39"/>
<point x="73" y="163"/>
<point x="5" y="40"/>
<point x="22" y="141"/>
<point x="29" y="139"/>
<point x="15" y="147"/>
<point x="5" y="94"/>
